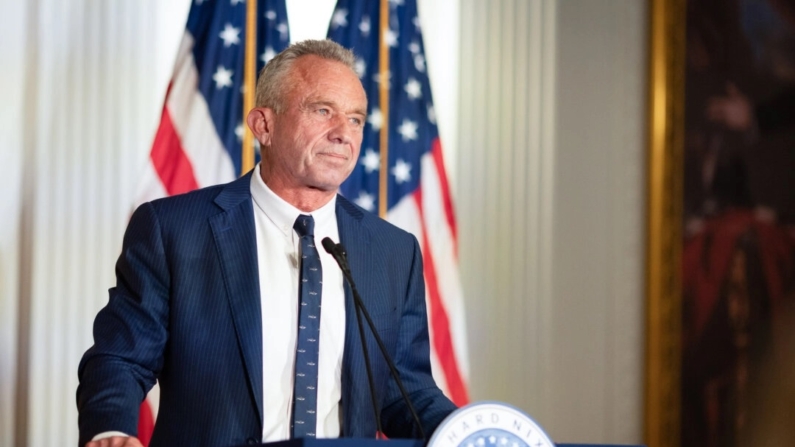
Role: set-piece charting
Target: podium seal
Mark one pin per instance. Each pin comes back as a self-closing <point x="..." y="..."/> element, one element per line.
<point x="489" y="424"/>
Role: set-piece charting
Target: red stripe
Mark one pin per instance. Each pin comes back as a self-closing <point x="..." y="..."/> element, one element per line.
<point x="447" y="201"/>
<point x="146" y="423"/>
<point x="440" y="323"/>
<point x="171" y="163"/>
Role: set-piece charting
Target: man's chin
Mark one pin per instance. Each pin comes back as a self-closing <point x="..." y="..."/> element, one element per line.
<point x="326" y="186"/>
<point x="330" y="182"/>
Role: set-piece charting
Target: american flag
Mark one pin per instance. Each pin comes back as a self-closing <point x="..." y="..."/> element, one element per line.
<point x="200" y="136"/>
<point x="418" y="194"/>
<point x="199" y="140"/>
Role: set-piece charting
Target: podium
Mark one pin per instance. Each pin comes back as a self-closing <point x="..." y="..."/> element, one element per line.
<point x="345" y="442"/>
<point x="362" y="442"/>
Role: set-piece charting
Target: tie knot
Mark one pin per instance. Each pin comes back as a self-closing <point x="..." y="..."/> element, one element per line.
<point x="304" y="225"/>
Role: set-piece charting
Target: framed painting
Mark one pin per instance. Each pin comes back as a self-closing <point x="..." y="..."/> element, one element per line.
<point x="664" y="211"/>
<point x="721" y="224"/>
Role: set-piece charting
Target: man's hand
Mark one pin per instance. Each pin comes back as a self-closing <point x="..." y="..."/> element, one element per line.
<point x="116" y="441"/>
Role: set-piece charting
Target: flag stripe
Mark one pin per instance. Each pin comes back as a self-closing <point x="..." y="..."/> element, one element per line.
<point x="146" y="422"/>
<point x="443" y="247"/>
<point x="171" y="164"/>
<point x="438" y="158"/>
<point x="193" y="122"/>
<point x="440" y="324"/>
<point x="151" y="187"/>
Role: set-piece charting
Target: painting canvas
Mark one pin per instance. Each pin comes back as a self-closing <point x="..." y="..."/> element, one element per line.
<point x="738" y="221"/>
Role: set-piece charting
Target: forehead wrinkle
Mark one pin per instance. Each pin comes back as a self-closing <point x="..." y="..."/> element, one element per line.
<point x="303" y="74"/>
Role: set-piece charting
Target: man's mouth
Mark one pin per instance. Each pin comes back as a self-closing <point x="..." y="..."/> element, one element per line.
<point x="341" y="157"/>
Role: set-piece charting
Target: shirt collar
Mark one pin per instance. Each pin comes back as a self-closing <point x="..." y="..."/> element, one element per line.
<point x="280" y="212"/>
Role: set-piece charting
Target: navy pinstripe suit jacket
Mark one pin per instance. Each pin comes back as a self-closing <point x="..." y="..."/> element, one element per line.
<point x="186" y="311"/>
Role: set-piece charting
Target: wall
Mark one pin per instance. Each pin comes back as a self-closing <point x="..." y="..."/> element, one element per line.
<point x="88" y="85"/>
<point x="12" y="59"/>
<point x="550" y="205"/>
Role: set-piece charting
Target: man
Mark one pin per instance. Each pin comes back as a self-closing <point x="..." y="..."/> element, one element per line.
<point x="209" y="285"/>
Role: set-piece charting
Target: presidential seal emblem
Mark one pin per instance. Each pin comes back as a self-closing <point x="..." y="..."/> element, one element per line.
<point x="489" y="424"/>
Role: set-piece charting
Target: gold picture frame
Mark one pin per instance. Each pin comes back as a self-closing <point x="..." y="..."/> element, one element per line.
<point x="664" y="217"/>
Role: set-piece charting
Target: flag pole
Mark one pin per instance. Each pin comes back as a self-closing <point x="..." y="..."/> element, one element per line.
<point x="249" y="85"/>
<point x="383" y="91"/>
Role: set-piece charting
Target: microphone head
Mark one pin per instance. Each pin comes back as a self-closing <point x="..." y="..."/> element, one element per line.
<point x="329" y="245"/>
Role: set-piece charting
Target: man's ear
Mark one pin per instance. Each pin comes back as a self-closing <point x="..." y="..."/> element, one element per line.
<point x="261" y="121"/>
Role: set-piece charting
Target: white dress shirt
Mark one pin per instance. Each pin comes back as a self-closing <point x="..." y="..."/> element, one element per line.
<point x="279" y="267"/>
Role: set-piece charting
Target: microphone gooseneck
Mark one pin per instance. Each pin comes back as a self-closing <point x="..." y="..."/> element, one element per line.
<point x="338" y="252"/>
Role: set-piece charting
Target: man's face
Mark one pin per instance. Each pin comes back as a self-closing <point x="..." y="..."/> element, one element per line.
<point x="315" y="141"/>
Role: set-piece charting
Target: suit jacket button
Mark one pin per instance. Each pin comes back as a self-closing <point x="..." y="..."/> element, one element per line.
<point x="252" y="441"/>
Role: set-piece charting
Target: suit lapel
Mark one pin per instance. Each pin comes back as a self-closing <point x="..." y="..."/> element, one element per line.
<point x="354" y="237"/>
<point x="236" y="242"/>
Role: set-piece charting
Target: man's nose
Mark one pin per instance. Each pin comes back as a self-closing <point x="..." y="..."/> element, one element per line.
<point x="342" y="130"/>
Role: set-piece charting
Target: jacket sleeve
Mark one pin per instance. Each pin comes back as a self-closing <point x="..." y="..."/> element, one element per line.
<point x="130" y="334"/>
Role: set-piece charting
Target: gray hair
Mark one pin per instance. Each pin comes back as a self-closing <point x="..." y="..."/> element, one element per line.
<point x="271" y="84"/>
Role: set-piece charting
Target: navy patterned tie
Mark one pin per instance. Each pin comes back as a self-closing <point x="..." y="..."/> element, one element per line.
<point x="304" y="418"/>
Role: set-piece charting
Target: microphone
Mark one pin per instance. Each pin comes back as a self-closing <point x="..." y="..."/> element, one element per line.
<point x="338" y="252"/>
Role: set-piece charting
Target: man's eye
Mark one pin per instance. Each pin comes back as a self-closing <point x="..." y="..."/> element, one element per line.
<point x="356" y="121"/>
<point x="323" y="111"/>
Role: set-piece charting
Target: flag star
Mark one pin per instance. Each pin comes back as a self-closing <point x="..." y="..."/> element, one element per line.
<point x="365" y="200"/>
<point x="236" y="2"/>
<point x="340" y="18"/>
<point x="431" y="114"/>
<point x="230" y="35"/>
<point x="364" y="26"/>
<point x="268" y="54"/>
<point x="419" y="62"/>
<point x="270" y="14"/>
<point x="396" y="2"/>
<point x="416" y="22"/>
<point x="282" y="29"/>
<point x="361" y="67"/>
<point x="376" y="119"/>
<point x="408" y="130"/>
<point x="222" y="77"/>
<point x="239" y="132"/>
<point x="413" y="88"/>
<point x="391" y="37"/>
<point x="414" y="47"/>
<point x="492" y="440"/>
<point x="371" y="161"/>
<point x="402" y="171"/>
